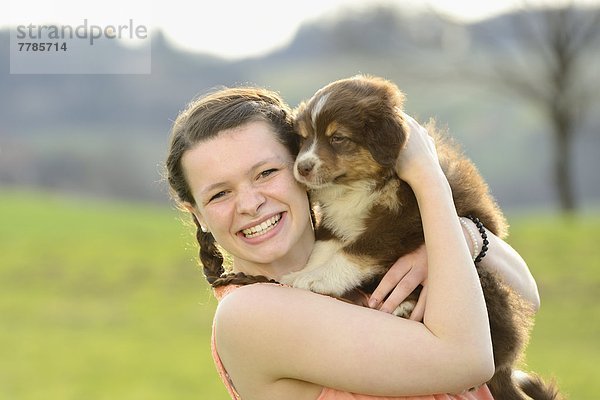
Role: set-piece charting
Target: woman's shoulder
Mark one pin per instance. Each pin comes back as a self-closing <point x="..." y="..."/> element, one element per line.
<point x="256" y="331"/>
<point x="258" y="298"/>
<point x="266" y="308"/>
<point x="242" y="293"/>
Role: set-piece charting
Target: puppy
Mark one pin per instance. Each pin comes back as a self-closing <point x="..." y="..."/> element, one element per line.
<point x="352" y="131"/>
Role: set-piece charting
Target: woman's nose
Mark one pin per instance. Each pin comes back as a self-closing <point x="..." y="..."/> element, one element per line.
<point x="249" y="201"/>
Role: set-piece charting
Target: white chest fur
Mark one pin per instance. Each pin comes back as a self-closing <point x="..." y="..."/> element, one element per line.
<point x="345" y="209"/>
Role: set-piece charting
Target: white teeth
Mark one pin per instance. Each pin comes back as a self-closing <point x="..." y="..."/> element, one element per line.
<point x="262" y="228"/>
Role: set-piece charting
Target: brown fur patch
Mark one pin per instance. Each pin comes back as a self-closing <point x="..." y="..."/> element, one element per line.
<point x="331" y="129"/>
<point x="301" y="129"/>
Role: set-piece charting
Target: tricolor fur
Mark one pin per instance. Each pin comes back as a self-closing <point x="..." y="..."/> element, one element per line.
<point x="352" y="132"/>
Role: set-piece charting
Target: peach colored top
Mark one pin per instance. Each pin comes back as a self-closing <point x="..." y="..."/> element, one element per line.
<point x="482" y="393"/>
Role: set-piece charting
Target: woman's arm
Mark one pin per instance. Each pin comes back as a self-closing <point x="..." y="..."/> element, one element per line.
<point x="507" y="263"/>
<point x="269" y="336"/>
<point x="448" y="256"/>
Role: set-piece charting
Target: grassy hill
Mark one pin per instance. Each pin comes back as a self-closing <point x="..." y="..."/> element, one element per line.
<point x="102" y="300"/>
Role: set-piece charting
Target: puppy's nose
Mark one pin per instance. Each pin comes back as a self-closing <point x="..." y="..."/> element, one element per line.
<point x="305" y="167"/>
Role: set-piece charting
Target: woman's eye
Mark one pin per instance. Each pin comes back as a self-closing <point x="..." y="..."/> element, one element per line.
<point x="267" y="172"/>
<point x="217" y="196"/>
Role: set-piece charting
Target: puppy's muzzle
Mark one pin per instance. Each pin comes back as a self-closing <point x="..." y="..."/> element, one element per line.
<point x="305" y="167"/>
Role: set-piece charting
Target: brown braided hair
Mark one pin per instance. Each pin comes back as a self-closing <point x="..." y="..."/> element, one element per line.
<point x="204" y="118"/>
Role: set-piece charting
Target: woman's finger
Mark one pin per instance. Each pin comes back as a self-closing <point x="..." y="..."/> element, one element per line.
<point x="411" y="267"/>
<point x="389" y="281"/>
<point x="401" y="292"/>
<point x="419" y="310"/>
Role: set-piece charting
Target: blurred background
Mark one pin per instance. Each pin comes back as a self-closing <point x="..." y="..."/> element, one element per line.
<point x="101" y="296"/>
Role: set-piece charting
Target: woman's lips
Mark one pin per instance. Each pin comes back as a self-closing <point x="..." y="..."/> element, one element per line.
<point x="262" y="228"/>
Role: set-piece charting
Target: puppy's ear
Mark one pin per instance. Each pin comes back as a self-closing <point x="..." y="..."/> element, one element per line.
<point x="299" y="110"/>
<point x="299" y="121"/>
<point x="383" y="121"/>
<point x="386" y="136"/>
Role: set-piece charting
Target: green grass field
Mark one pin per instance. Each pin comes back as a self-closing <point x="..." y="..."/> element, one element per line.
<point x="104" y="300"/>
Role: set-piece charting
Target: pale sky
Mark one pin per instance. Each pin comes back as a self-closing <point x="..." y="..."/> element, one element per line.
<point x="227" y="28"/>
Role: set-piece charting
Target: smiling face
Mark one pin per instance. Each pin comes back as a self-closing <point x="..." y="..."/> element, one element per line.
<point x="247" y="197"/>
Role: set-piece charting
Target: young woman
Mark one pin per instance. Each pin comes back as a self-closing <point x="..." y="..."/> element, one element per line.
<point x="230" y="165"/>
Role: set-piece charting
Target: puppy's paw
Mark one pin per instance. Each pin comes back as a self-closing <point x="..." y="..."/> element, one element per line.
<point x="405" y="308"/>
<point x="323" y="287"/>
<point x="315" y="281"/>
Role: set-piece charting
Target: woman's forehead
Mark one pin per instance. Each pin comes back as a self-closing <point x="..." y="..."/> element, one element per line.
<point x="250" y="139"/>
<point x="233" y="152"/>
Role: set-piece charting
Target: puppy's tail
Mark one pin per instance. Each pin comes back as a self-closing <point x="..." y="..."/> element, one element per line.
<point x="535" y="387"/>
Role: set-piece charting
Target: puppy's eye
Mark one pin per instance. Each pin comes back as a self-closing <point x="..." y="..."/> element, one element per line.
<point x="337" y="139"/>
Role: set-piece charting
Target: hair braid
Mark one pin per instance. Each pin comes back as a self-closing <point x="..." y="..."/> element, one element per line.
<point x="210" y="255"/>
<point x="240" y="278"/>
<point x="212" y="263"/>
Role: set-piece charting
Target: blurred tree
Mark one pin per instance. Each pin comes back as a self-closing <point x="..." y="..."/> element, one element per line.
<point x="544" y="60"/>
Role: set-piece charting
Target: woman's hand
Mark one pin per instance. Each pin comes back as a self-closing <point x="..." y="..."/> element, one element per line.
<point x="410" y="270"/>
<point x="418" y="158"/>
<point x="403" y="277"/>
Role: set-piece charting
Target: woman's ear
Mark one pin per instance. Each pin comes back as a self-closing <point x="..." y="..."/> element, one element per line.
<point x="197" y="217"/>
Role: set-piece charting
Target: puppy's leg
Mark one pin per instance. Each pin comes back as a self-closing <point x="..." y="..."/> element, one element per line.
<point x="329" y="271"/>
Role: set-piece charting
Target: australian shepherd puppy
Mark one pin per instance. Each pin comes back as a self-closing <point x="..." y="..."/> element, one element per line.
<point x="352" y="131"/>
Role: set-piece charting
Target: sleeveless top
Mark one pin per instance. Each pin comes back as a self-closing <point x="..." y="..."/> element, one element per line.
<point x="481" y="393"/>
